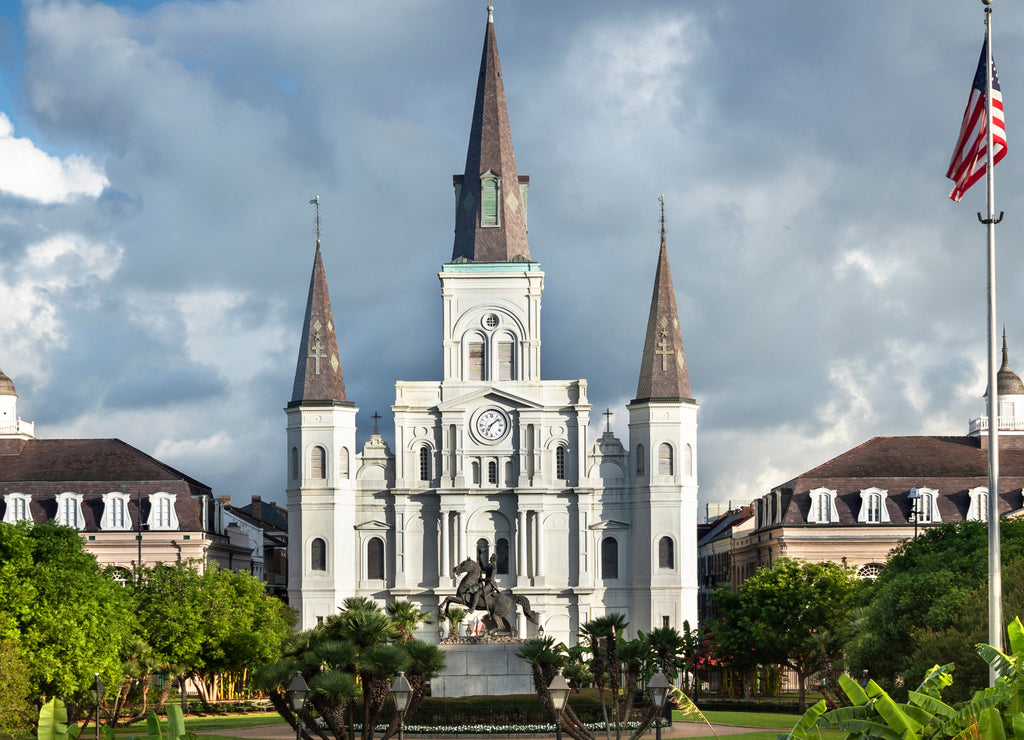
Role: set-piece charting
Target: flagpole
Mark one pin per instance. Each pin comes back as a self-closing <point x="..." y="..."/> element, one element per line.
<point x="995" y="588"/>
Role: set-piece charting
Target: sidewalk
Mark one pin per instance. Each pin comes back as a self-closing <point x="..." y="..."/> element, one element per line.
<point x="678" y="729"/>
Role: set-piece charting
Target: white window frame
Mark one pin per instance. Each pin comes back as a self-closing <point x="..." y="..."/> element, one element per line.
<point x="978" y="510"/>
<point x="864" y="517"/>
<point x="107" y="522"/>
<point x="12" y="503"/>
<point x="823" y="498"/>
<point x="70" y="502"/>
<point x="156" y="501"/>
<point x="932" y="497"/>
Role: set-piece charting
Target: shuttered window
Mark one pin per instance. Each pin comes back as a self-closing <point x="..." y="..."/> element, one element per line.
<point x="489" y="203"/>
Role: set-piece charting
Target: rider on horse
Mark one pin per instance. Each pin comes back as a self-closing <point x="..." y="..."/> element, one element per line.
<point x="484" y="584"/>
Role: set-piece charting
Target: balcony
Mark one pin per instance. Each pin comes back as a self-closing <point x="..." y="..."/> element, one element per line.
<point x="1006" y="424"/>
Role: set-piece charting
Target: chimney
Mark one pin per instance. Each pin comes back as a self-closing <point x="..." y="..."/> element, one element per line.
<point x="257" y="508"/>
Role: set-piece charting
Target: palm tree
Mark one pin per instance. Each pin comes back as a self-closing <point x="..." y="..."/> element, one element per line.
<point x="425" y="662"/>
<point x="545" y="658"/>
<point x="377" y="664"/>
<point x="406" y="617"/>
<point x="601" y="636"/>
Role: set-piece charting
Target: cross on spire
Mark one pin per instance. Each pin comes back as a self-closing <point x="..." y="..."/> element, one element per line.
<point x="664" y="349"/>
<point x="317" y="352"/>
<point x="608" y="420"/>
<point x="376" y="417"/>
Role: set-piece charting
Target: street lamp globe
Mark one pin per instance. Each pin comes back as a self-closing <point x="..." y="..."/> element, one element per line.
<point x="297" y="691"/>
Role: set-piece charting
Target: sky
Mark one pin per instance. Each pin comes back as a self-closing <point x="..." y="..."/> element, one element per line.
<point x="157" y="160"/>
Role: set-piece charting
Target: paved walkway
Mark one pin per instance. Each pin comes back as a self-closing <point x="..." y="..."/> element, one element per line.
<point x="679" y="729"/>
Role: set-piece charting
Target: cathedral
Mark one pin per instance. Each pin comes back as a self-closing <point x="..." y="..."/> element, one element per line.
<point x="493" y="463"/>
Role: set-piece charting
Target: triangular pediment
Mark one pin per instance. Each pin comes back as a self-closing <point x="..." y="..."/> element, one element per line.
<point x="490" y="393"/>
<point x="373" y="524"/>
<point x="609" y="524"/>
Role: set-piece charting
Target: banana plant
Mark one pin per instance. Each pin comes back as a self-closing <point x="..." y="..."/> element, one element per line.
<point x="995" y="713"/>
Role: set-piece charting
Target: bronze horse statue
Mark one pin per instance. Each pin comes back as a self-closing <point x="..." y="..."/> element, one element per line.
<point x="475" y="592"/>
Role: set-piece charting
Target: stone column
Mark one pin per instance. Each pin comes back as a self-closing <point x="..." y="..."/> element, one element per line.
<point x="541" y="554"/>
<point x="444" y="567"/>
<point x="460" y="537"/>
<point x="521" y="559"/>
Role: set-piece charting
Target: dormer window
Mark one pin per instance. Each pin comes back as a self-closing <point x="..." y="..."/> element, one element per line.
<point x="490" y="194"/>
<point x="69" y="510"/>
<point x="161" y="511"/>
<point x="978" y="509"/>
<point x="115" y="512"/>
<point x="17" y="508"/>
<point x="872" y="506"/>
<point x="823" y="507"/>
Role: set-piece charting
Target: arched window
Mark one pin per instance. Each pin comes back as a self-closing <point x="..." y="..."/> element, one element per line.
<point x="475" y="358"/>
<point x="424" y="462"/>
<point x="293" y="463"/>
<point x="483" y="551"/>
<point x="501" y="549"/>
<point x="343" y="462"/>
<point x="609" y="558"/>
<point x="492" y="472"/>
<point x="666" y="553"/>
<point x="375" y="559"/>
<point x="688" y="460"/>
<point x="476" y="472"/>
<point x="869" y="571"/>
<point x="640" y="467"/>
<point x="318" y="554"/>
<point x="115" y="512"/>
<point x="978" y="509"/>
<point x="317" y="463"/>
<point x="162" y="514"/>
<point x="560" y="462"/>
<point x="509" y="474"/>
<point x="506" y="359"/>
<point x="665" y="466"/>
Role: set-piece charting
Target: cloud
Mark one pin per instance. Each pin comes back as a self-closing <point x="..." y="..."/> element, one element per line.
<point x="29" y="172"/>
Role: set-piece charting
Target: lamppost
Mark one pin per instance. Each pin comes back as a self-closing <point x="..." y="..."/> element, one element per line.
<point x="98" y="691"/>
<point x="559" y="691"/>
<point x="401" y="692"/>
<point x="297" y="691"/>
<point x="914" y="497"/>
<point x="658" y="688"/>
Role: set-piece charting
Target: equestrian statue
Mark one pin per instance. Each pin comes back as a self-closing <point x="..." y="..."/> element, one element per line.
<point x="476" y="591"/>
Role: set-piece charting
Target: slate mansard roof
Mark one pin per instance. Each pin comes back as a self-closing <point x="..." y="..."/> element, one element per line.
<point x="44" y="468"/>
<point x="949" y="465"/>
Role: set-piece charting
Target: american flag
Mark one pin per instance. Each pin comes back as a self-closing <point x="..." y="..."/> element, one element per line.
<point x="969" y="161"/>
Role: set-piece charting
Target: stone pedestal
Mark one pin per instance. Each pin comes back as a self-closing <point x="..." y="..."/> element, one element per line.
<point x="482" y="668"/>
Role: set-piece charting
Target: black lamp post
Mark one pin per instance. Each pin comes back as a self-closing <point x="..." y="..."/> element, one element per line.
<point x="914" y="497"/>
<point x="98" y="691"/>
<point x="559" y="691"/>
<point x="401" y="692"/>
<point x="658" y="688"/>
<point x="297" y="691"/>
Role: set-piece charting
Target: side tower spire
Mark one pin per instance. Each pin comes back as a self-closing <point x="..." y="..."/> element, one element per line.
<point x="318" y="374"/>
<point x="490" y="197"/>
<point x="663" y="469"/>
<point x="663" y="373"/>
<point x="321" y="432"/>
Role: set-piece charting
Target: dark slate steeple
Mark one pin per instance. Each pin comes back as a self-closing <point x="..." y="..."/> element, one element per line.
<point x="663" y="374"/>
<point x="495" y="232"/>
<point x="318" y="377"/>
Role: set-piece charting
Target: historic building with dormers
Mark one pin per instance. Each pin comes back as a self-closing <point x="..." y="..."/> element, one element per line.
<point x="492" y="459"/>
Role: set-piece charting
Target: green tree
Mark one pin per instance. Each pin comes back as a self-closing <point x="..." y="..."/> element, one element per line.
<point x="930" y="600"/>
<point x="67" y="617"/>
<point x="785" y="609"/>
<point x="15" y="705"/>
<point x="205" y="625"/>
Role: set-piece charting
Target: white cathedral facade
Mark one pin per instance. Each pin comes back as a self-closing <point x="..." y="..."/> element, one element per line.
<point x="492" y="458"/>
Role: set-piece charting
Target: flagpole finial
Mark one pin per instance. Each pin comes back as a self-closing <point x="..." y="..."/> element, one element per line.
<point x="315" y="201"/>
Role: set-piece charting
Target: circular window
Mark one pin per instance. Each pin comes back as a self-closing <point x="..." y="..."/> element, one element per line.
<point x="491" y="320"/>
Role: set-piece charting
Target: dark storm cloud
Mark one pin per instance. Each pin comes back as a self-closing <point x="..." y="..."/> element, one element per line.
<point x="828" y="292"/>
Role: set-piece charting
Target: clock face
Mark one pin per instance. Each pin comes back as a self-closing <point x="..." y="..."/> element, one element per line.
<point x="491" y="424"/>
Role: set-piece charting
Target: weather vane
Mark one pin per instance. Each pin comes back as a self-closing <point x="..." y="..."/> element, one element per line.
<point x="316" y="202"/>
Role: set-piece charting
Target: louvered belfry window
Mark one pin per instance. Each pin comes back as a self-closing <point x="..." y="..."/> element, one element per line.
<point x="476" y="361"/>
<point x="506" y="361"/>
<point x="489" y="202"/>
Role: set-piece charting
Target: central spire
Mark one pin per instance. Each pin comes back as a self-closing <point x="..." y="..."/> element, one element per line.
<point x="490" y="197"/>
